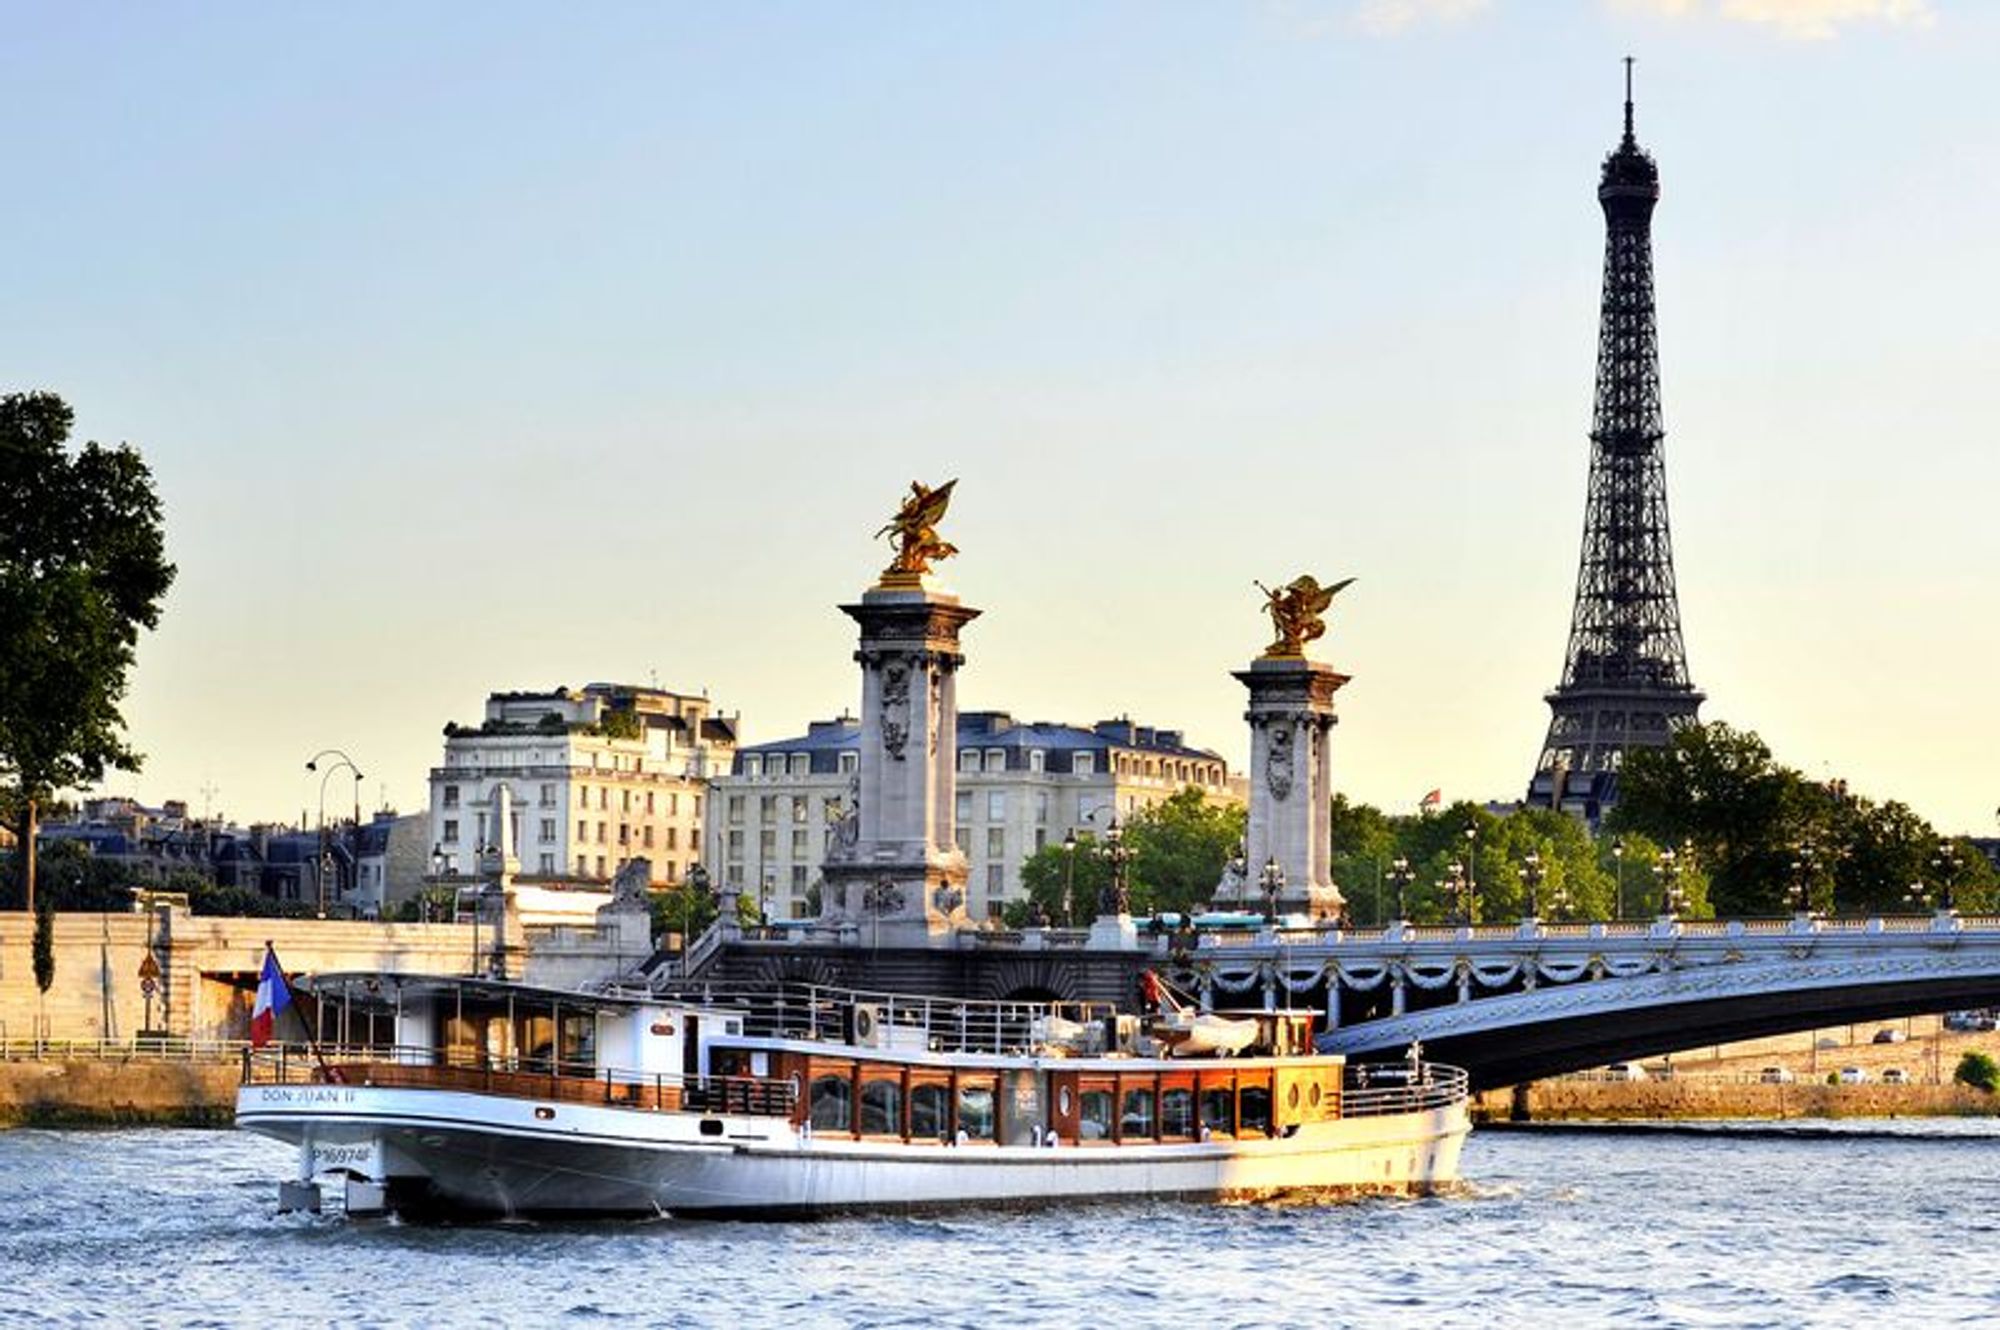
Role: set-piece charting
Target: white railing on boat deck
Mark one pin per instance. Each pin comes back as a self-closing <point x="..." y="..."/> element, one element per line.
<point x="1377" y="1089"/>
<point x="569" y="1080"/>
<point x="899" y="1020"/>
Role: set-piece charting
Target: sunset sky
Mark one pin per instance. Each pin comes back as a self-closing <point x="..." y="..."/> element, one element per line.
<point x="504" y="346"/>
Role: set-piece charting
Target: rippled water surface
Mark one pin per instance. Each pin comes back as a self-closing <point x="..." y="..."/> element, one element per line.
<point x="1572" y="1228"/>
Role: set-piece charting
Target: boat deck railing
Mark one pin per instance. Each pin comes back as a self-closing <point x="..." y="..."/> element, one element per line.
<point x="898" y="1020"/>
<point x="569" y="1081"/>
<point x="1379" y="1089"/>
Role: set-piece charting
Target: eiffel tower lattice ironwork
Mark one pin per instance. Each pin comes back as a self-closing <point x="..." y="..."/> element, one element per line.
<point x="1625" y="678"/>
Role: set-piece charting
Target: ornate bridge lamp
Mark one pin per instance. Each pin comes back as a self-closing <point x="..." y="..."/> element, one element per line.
<point x="697" y="888"/>
<point x="1117" y="897"/>
<point x="1618" y="858"/>
<point x="1272" y="880"/>
<point x="1800" y="892"/>
<point x="1917" y="897"/>
<point x="1400" y="876"/>
<point x="1472" y="858"/>
<point x="1673" y="898"/>
<point x="1459" y="887"/>
<point x="1559" y="902"/>
<point x="1945" y="863"/>
<point x="1069" y="878"/>
<point x="1531" y="882"/>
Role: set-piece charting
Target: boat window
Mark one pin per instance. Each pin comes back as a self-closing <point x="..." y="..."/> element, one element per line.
<point x="881" y="1108"/>
<point x="1093" y="1116"/>
<point x="832" y="1104"/>
<point x="930" y="1113"/>
<point x="1255" y="1103"/>
<point x="975" y="1112"/>
<point x="1218" y="1109"/>
<point x="1135" y="1118"/>
<point x="1177" y="1112"/>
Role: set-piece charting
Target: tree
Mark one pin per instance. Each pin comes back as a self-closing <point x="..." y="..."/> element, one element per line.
<point x="82" y="570"/>
<point x="44" y="948"/>
<point x="1978" y="1071"/>
<point x="1178" y="850"/>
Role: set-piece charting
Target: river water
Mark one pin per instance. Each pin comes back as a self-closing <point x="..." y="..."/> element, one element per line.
<point x="1815" y="1224"/>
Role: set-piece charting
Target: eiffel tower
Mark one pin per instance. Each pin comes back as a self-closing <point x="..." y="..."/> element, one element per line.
<point x="1625" y="679"/>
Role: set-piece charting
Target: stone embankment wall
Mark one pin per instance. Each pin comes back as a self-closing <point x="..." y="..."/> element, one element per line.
<point x="1692" y="1099"/>
<point x="207" y="968"/>
<point x="77" y="1094"/>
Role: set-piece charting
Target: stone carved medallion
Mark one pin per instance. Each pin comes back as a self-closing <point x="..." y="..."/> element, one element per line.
<point x="1278" y="762"/>
<point x="895" y="707"/>
<point x="882" y="897"/>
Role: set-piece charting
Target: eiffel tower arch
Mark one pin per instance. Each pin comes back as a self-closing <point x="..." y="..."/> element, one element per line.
<point x="1625" y="679"/>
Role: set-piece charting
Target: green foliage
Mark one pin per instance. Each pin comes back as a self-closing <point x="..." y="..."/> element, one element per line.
<point x="44" y="948"/>
<point x="1760" y="830"/>
<point x="617" y="723"/>
<point x="82" y="570"/>
<point x="1978" y="1071"/>
<point x="1043" y="875"/>
<point x="206" y="898"/>
<point x="681" y="909"/>
<point x="1178" y="849"/>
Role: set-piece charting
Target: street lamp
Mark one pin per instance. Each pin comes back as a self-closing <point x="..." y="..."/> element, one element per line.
<point x="325" y="846"/>
<point x="1802" y="875"/>
<point x="1531" y="880"/>
<point x="1069" y="878"/>
<point x="1401" y="875"/>
<point x="1669" y="871"/>
<point x="438" y="861"/>
<point x="1117" y="896"/>
<point x="1618" y="858"/>
<point x="1945" y="861"/>
<point x="1272" y="880"/>
<point x="1472" y="858"/>
<point x="1459" y="887"/>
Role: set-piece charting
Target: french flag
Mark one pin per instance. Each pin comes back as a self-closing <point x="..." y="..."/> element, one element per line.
<point x="274" y="996"/>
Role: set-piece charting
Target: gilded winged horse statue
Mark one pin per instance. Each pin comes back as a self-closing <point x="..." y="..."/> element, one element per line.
<point x="1297" y="613"/>
<point x="913" y="530"/>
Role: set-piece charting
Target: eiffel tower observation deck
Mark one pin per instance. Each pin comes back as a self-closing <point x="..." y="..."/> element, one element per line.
<point x="1625" y="678"/>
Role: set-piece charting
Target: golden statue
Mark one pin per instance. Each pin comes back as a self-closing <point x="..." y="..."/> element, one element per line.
<point x="1297" y="613"/>
<point x="914" y="531"/>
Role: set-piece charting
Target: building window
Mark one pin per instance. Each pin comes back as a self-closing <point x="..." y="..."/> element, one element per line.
<point x="767" y="809"/>
<point x="600" y="833"/>
<point x="697" y="806"/>
<point x="996" y="883"/>
<point x="548" y="796"/>
<point x="548" y="830"/>
<point x="603" y="797"/>
<point x="1084" y="764"/>
<point x="451" y="831"/>
<point x="753" y="765"/>
<point x="624" y="833"/>
<point x="801" y="764"/>
<point x="624" y="801"/>
<point x="964" y="809"/>
<point x="583" y="796"/>
<point x="850" y="763"/>
<point x="996" y="842"/>
<point x="647" y="837"/>
<point x="799" y="850"/>
<point x="996" y="805"/>
<point x="451" y="796"/>
<point x="996" y="759"/>
<point x="735" y="810"/>
<point x="963" y="839"/>
<point x="673" y="803"/>
<point x="798" y="808"/>
<point x="1041" y="805"/>
<point x="767" y="845"/>
<point x="600" y="865"/>
<point x="735" y="845"/>
<point x="798" y="879"/>
<point x="1038" y="761"/>
<point x="673" y="838"/>
<point x="649" y="802"/>
<point x="968" y="759"/>
<point x="547" y="865"/>
<point x="582" y="831"/>
<point x="582" y="866"/>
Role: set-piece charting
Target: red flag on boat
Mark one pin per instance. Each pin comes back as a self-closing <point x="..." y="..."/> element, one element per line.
<point x="274" y="995"/>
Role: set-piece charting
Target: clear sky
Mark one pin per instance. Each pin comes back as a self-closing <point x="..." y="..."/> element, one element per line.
<point x="484" y="346"/>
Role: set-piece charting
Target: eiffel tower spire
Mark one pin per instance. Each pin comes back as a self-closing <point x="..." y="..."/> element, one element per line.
<point x="1625" y="678"/>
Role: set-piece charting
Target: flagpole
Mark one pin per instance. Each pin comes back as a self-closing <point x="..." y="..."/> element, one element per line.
<point x="292" y="1000"/>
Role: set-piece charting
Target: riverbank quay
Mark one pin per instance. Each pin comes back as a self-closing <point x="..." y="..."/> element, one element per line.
<point x="135" y="1084"/>
<point x="1700" y="1099"/>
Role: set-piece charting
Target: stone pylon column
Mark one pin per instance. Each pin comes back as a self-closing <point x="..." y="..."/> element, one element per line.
<point x="896" y="868"/>
<point x="1291" y="787"/>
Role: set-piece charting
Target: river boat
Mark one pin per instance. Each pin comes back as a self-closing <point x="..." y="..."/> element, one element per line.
<point x="475" y="1097"/>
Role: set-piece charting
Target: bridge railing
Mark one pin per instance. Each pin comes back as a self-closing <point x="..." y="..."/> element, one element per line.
<point x="140" y="1048"/>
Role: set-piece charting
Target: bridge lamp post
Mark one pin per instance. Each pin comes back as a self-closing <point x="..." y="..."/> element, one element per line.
<point x="1472" y="857"/>
<point x="1069" y="878"/>
<point x="1917" y="897"/>
<point x="1531" y="881"/>
<point x="1272" y="880"/>
<point x="1668" y="869"/>
<point x="1946" y="864"/>
<point x="1117" y="898"/>
<point x="1460" y="887"/>
<point x="1559" y="902"/>
<point x="1401" y="876"/>
<point x="1618" y="858"/>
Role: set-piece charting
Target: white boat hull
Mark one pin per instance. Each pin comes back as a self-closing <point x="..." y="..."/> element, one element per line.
<point x="473" y="1153"/>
